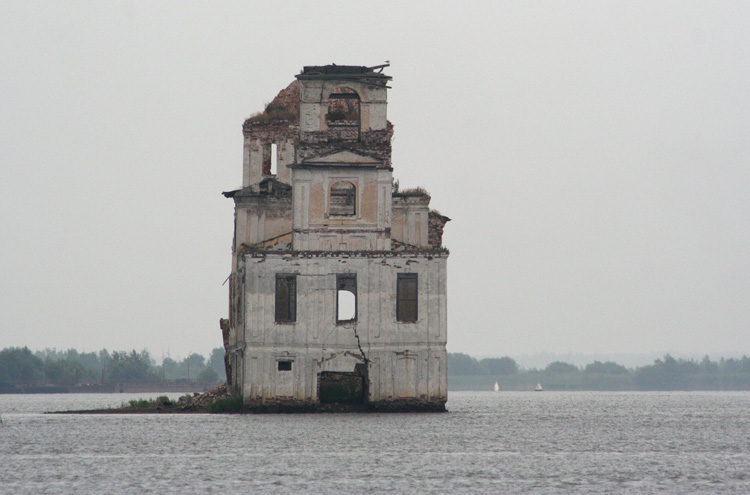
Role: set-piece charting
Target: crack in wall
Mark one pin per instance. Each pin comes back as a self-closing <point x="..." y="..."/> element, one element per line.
<point x="363" y="369"/>
<point x="359" y="345"/>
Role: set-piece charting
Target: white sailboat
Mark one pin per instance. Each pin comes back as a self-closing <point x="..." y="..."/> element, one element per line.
<point x="497" y="387"/>
<point x="538" y="387"/>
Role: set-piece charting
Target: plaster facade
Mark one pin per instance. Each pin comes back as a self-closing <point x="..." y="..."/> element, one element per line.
<point x="320" y="230"/>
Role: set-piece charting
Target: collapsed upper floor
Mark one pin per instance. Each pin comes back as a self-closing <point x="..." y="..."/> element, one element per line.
<point x="317" y="172"/>
<point x="327" y="108"/>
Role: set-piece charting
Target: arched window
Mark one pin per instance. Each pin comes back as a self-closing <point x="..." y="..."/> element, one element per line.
<point x="343" y="199"/>
<point x="343" y="116"/>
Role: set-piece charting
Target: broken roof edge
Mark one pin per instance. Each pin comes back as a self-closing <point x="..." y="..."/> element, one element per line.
<point x="252" y="189"/>
<point x="284" y="108"/>
<point x="436" y="213"/>
<point x="354" y="72"/>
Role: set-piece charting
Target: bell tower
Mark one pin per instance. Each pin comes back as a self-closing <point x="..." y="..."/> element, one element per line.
<point x="342" y="175"/>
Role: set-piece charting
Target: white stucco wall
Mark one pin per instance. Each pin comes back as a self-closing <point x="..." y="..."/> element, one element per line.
<point x="407" y="360"/>
<point x="315" y="229"/>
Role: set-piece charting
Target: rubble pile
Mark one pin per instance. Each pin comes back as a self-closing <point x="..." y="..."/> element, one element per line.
<point x="199" y="401"/>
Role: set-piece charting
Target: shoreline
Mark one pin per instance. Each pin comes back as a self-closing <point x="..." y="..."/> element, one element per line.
<point x="218" y="401"/>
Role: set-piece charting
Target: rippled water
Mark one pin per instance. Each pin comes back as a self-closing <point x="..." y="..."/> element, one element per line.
<point x="567" y="442"/>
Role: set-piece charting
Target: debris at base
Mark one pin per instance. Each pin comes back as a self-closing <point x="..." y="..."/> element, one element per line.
<point x="195" y="403"/>
<point x="203" y="401"/>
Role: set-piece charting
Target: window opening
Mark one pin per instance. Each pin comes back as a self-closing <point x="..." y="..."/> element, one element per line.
<point x="406" y="297"/>
<point x="274" y="159"/>
<point x="265" y="155"/>
<point x="284" y="366"/>
<point x="346" y="298"/>
<point x="343" y="117"/>
<point x="286" y="298"/>
<point x="343" y="199"/>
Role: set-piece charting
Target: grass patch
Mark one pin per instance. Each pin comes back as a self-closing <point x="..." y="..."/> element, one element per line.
<point x="414" y="191"/>
<point x="228" y="405"/>
<point x="161" y="401"/>
<point x="139" y="403"/>
<point x="274" y="112"/>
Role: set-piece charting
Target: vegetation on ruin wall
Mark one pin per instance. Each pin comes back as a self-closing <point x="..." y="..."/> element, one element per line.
<point x="275" y="112"/>
<point x="19" y="366"/>
<point x="667" y="373"/>
<point x="410" y="191"/>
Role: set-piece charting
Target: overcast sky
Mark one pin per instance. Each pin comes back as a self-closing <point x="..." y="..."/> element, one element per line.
<point x="594" y="157"/>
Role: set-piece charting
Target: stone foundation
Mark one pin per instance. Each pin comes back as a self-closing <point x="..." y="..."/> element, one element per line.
<point x="297" y="406"/>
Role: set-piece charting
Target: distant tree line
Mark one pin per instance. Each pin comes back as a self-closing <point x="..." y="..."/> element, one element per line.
<point x="21" y="366"/>
<point x="667" y="373"/>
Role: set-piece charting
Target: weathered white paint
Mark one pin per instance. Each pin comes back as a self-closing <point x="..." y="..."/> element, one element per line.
<point x="317" y="343"/>
<point x="405" y="361"/>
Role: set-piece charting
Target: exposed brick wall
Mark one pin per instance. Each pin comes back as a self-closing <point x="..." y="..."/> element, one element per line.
<point x="435" y="227"/>
<point x="288" y="98"/>
<point x="372" y="143"/>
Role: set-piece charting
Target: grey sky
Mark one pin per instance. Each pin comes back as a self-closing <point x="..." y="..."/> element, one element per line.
<point x="594" y="157"/>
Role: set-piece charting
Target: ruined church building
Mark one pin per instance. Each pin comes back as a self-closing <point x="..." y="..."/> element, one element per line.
<point x="337" y="295"/>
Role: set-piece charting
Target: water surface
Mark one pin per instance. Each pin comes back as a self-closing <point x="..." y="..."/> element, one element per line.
<point x="506" y="442"/>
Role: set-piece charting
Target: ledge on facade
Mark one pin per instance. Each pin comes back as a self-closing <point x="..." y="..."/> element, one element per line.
<point x="441" y="252"/>
<point x="274" y="244"/>
<point x="339" y="165"/>
<point x="408" y="248"/>
<point x="268" y="186"/>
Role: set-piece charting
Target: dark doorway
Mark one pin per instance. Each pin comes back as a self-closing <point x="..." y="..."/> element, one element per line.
<point x="338" y="387"/>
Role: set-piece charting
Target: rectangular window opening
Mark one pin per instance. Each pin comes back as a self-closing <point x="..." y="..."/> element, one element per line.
<point x="407" y="297"/>
<point x="274" y="159"/>
<point x="286" y="298"/>
<point x="285" y="366"/>
<point x="346" y="298"/>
